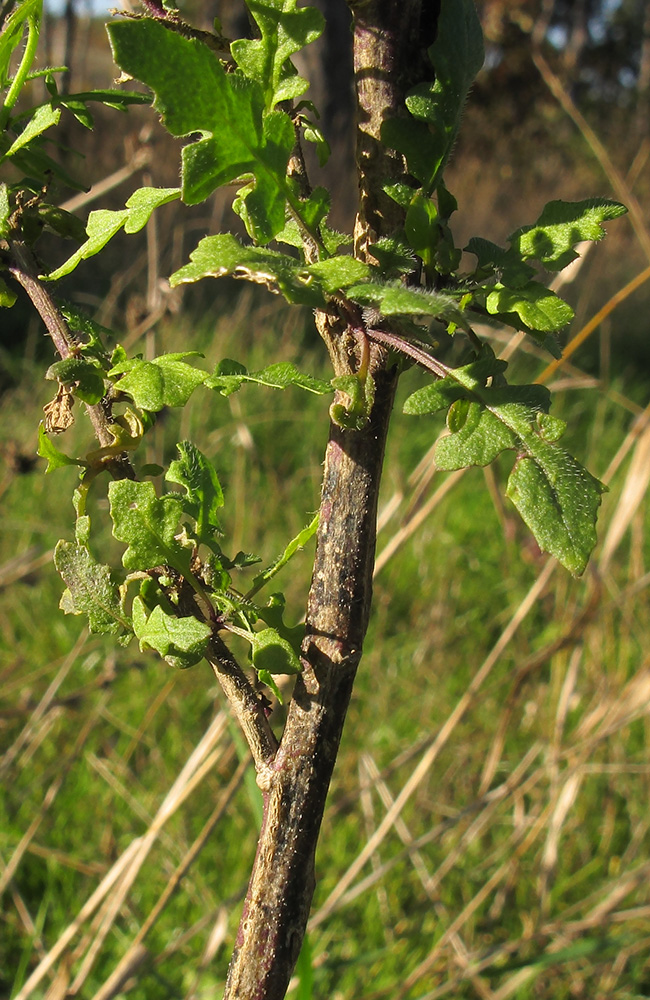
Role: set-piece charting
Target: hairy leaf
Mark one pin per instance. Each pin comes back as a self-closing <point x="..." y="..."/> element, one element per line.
<point x="297" y="543"/>
<point x="103" y="225"/>
<point x="181" y="642"/>
<point x="204" y="495"/>
<point x="165" y="381"/>
<point x="148" y="525"/>
<point x="229" y="376"/>
<point x="395" y="299"/>
<point x="48" y="450"/>
<point x="227" y="109"/>
<point x="457" y="56"/>
<point x="218" y="256"/>
<point x="556" y="497"/>
<point x="284" y="30"/>
<point x="561" y="225"/>
<point x="86" y="377"/>
<point x="90" y="590"/>
<point x="42" y="119"/>
<point x="537" y="306"/>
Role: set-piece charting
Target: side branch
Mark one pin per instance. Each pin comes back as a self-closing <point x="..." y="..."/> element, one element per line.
<point x="246" y="706"/>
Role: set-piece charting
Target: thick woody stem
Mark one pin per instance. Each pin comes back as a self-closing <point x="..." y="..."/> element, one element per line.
<point x="276" y="909"/>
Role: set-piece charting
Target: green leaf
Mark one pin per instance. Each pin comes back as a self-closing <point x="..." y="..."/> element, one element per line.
<point x="148" y="525"/>
<point x="295" y="545"/>
<point x="204" y="495"/>
<point x="271" y="653"/>
<point x="339" y="273"/>
<point x="513" y="271"/>
<point x="557" y="498"/>
<point x="87" y="375"/>
<point x="12" y="33"/>
<point x="395" y="255"/>
<point x="181" y="642"/>
<point x="284" y="30"/>
<point x="42" y="119"/>
<point x="218" y="256"/>
<point x="103" y="225"/>
<point x="395" y="299"/>
<point x="560" y="227"/>
<point x="47" y="450"/>
<point x="7" y="295"/>
<point x="195" y="94"/>
<point x="229" y="376"/>
<point x="90" y="590"/>
<point x="165" y="381"/>
<point x="457" y="56"/>
<point x="537" y="306"/>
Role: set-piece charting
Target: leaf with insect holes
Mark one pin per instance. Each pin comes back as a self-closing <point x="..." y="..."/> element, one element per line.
<point x="204" y="495"/>
<point x="90" y="590"/>
<point x="165" y="381"/>
<point x="181" y="642"/>
<point x="148" y="525"/>
<point x="103" y="225"/>
<point x="227" y="109"/>
<point x="457" y="55"/>
<point x="557" y="498"/>
<point x="284" y="30"/>
<point x="229" y="376"/>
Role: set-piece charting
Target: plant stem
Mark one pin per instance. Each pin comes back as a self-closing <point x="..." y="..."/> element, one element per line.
<point x="272" y="927"/>
<point x="33" y="31"/>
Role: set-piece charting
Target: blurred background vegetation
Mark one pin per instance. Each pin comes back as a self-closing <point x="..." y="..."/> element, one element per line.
<point x="488" y="832"/>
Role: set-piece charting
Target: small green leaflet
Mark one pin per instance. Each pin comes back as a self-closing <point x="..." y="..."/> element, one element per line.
<point x="7" y="295"/>
<point x="47" y="450"/>
<point x="90" y="590"/>
<point x="238" y="139"/>
<point x="284" y="29"/>
<point x="295" y="545"/>
<point x="181" y="642"/>
<point x="86" y="377"/>
<point x="42" y="119"/>
<point x="557" y="498"/>
<point x="560" y="227"/>
<point x="538" y="308"/>
<point x="103" y="225"/>
<point x="229" y="376"/>
<point x="457" y="55"/>
<point x="273" y="654"/>
<point x="166" y="381"/>
<point x="148" y="525"/>
<point x="395" y="299"/>
<point x="204" y="495"/>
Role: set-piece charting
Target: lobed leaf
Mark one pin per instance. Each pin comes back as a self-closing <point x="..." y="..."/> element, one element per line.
<point x="90" y="590"/>
<point x="536" y="306"/>
<point x="194" y="94"/>
<point x="165" y="381"/>
<point x="148" y="525"/>
<point x="560" y="227"/>
<point x="557" y="498"/>
<point x="229" y="376"/>
<point x="103" y="225"/>
<point x="457" y="55"/>
<point x="284" y="30"/>
<point x="47" y="449"/>
<point x="181" y="642"/>
<point x="204" y="495"/>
